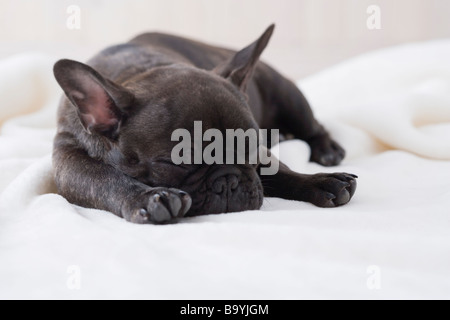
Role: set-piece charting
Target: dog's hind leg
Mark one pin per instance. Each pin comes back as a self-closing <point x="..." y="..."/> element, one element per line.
<point x="286" y="108"/>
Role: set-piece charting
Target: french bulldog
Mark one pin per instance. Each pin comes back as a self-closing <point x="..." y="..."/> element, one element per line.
<point x="112" y="149"/>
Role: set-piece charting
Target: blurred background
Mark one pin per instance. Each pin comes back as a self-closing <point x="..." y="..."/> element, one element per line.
<point x="311" y="34"/>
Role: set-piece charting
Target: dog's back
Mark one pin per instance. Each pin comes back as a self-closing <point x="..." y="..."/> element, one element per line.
<point x="199" y="54"/>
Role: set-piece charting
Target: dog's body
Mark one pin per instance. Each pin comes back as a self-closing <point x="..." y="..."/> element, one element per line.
<point x="113" y="146"/>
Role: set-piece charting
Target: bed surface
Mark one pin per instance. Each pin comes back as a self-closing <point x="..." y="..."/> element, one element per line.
<point x="391" y="111"/>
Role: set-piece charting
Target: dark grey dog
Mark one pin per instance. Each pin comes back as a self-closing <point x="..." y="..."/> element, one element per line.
<point x="113" y="146"/>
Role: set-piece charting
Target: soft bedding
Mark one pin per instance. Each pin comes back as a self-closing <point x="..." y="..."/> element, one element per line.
<point x="391" y="111"/>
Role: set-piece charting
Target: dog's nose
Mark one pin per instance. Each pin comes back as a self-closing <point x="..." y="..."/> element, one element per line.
<point x="225" y="183"/>
<point x="233" y="182"/>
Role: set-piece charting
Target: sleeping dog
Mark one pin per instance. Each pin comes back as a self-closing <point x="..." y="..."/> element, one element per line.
<point x="114" y="144"/>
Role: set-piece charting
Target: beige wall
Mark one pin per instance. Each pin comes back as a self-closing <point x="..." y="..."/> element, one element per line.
<point x="310" y="35"/>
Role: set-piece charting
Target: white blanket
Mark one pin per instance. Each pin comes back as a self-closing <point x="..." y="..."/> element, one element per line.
<point x="390" y="109"/>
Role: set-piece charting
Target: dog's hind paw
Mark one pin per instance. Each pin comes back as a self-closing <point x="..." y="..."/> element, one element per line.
<point x="325" y="151"/>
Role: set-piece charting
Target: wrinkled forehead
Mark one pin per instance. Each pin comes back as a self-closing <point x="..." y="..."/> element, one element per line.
<point x="178" y="98"/>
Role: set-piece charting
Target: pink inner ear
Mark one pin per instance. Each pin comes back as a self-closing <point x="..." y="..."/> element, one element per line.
<point x="95" y="105"/>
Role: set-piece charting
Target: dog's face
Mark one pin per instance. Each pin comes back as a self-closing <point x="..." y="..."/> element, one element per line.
<point x="136" y="120"/>
<point x="180" y="97"/>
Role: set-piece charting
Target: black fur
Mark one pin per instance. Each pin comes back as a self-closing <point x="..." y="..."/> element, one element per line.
<point x="113" y="145"/>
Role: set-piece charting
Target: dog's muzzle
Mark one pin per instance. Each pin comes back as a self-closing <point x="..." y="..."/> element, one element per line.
<point x="229" y="189"/>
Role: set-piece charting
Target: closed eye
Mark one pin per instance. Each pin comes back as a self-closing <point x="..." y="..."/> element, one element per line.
<point x="168" y="162"/>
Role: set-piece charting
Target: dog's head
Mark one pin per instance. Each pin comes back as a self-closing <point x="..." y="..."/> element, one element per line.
<point x="137" y="118"/>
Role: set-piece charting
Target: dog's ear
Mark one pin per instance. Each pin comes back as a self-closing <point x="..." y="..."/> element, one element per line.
<point x="100" y="102"/>
<point x="239" y="68"/>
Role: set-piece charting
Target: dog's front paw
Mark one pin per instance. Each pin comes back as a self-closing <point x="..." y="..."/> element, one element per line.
<point x="158" y="206"/>
<point x="326" y="151"/>
<point x="332" y="190"/>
